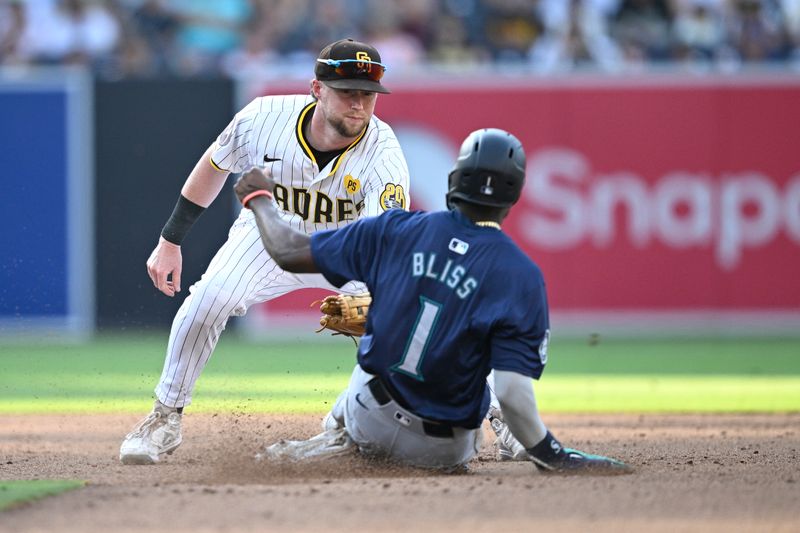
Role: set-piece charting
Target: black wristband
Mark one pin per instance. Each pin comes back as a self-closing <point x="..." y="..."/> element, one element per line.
<point x="181" y="220"/>
<point x="548" y="449"/>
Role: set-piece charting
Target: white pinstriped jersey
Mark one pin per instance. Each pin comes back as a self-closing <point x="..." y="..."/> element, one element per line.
<point x="370" y="177"/>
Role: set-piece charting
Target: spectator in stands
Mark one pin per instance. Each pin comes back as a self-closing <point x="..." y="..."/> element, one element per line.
<point x="756" y="31"/>
<point x="418" y="19"/>
<point x="254" y="59"/>
<point x="385" y="32"/>
<point x="699" y="30"/>
<point x="329" y="21"/>
<point x="577" y="35"/>
<point x="208" y="30"/>
<point x="643" y="30"/>
<point x="790" y="11"/>
<point x="510" y="29"/>
<point x="156" y="37"/>
<point x="471" y="14"/>
<point x="12" y="23"/>
<point x="155" y="28"/>
<point x="69" y="31"/>
<point x="290" y="25"/>
<point x="451" y="44"/>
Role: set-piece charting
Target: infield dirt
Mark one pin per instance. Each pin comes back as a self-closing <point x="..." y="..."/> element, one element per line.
<point x="693" y="473"/>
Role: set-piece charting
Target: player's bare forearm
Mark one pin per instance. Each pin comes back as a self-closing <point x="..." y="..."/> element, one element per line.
<point x="200" y="189"/>
<point x="204" y="182"/>
<point x="289" y="248"/>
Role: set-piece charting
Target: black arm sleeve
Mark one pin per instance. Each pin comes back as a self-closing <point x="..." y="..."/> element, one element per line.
<point x="181" y="220"/>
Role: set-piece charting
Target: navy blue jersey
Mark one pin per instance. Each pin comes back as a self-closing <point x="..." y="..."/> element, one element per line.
<point x="451" y="301"/>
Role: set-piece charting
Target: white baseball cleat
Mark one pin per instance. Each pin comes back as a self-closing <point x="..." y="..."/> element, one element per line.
<point x="508" y="447"/>
<point x="504" y="453"/>
<point x="158" y="434"/>
<point x="330" y="422"/>
<point x="330" y="443"/>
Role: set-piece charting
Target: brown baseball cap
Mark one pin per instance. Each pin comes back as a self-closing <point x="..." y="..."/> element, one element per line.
<point x="349" y="64"/>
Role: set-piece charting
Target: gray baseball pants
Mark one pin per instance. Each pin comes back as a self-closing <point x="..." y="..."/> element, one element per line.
<point x="380" y="426"/>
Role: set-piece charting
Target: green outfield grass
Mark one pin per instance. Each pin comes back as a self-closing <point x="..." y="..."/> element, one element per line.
<point x="118" y="373"/>
<point x="20" y="491"/>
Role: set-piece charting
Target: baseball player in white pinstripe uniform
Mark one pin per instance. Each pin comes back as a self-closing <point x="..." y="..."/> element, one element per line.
<point x="333" y="162"/>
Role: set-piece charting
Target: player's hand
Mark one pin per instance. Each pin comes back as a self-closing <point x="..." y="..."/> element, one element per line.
<point x="164" y="267"/>
<point x="253" y="180"/>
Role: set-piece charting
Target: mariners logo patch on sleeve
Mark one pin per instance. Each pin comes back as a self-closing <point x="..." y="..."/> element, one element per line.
<point x="393" y="197"/>
<point x="543" y="347"/>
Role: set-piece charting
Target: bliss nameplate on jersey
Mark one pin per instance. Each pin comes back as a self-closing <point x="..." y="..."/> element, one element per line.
<point x="445" y="271"/>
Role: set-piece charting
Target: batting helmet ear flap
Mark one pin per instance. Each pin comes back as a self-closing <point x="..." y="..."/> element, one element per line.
<point x="452" y="187"/>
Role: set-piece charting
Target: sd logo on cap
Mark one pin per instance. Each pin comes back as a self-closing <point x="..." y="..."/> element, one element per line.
<point x="349" y="64"/>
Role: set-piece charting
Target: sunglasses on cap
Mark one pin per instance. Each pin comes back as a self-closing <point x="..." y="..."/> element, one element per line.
<point x="356" y="68"/>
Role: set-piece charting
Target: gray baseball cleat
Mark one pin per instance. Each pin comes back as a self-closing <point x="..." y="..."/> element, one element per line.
<point x="158" y="434"/>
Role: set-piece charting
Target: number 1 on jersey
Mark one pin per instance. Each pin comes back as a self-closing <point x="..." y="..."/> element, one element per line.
<point x="418" y="341"/>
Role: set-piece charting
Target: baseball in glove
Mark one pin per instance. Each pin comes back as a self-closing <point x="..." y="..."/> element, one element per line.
<point x="345" y="314"/>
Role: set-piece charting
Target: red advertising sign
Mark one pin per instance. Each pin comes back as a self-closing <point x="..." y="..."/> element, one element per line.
<point x="645" y="197"/>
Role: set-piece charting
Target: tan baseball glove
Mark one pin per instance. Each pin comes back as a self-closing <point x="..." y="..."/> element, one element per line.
<point x="345" y="314"/>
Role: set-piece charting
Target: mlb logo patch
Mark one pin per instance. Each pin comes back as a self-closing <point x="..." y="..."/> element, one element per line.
<point x="403" y="419"/>
<point x="458" y="246"/>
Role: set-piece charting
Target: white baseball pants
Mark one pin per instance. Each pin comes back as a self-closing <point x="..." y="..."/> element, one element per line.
<point x="241" y="274"/>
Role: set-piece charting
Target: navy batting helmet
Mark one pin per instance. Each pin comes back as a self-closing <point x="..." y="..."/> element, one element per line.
<point x="490" y="169"/>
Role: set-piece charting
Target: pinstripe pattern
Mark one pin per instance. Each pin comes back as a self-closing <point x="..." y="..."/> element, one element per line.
<point x="242" y="273"/>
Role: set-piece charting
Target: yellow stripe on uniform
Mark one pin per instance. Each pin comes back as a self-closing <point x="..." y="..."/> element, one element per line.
<point x="299" y="131"/>
<point x="210" y="160"/>
<point x="341" y="156"/>
<point x="307" y="149"/>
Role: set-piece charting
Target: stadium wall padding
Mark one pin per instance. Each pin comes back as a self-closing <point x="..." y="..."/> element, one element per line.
<point x="148" y="136"/>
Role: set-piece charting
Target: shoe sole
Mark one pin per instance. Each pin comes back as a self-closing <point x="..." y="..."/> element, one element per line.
<point x="137" y="459"/>
<point x="145" y="458"/>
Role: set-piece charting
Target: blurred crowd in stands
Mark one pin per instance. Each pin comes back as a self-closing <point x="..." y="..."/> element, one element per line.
<point x="242" y="38"/>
